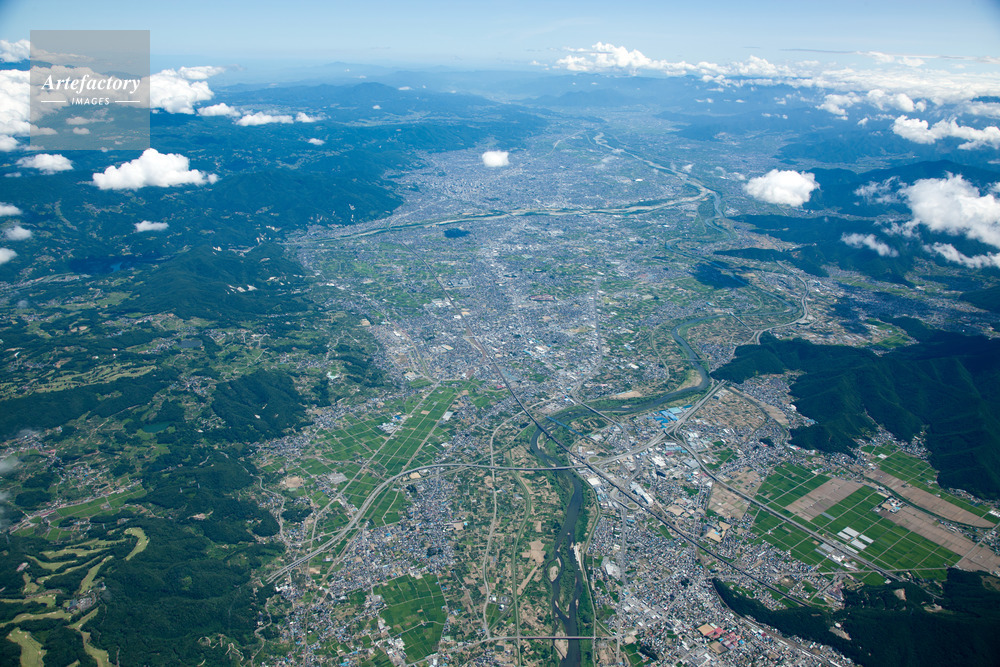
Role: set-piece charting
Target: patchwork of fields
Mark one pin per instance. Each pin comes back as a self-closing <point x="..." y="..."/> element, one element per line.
<point x="850" y="515"/>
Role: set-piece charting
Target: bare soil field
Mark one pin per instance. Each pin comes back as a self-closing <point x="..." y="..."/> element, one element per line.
<point x="823" y="498"/>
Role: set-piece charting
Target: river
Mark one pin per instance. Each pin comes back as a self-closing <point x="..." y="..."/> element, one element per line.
<point x="568" y="615"/>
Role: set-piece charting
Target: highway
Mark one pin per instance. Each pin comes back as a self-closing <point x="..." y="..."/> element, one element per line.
<point x="705" y="388"/>
<point x="809" y="531"/>
<point x="326" y="546"/>
<point x="626" y="492"/>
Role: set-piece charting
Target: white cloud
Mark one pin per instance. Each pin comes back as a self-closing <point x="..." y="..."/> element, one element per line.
<point x="919" y="131"/>
<point x="602" y="57"/>
<point x="152" y="168"/>
<point x="915" y="130"/>
<point x="199" y="73"/>
<point x="6" y="254"/>
<point x="869" y="241"/>
<point x="886" y="58"/>
<point x="81" y="130"/>
<point x="896" y="101"/>
<point x="9" y="209"/>
<point x="939" y="85"/>
<point x="789" y="188"/>
<point x="301" y="117"/>
<point x="17" y="233"/>
<point x="496" y="158"/>
<point x="954" y="206"/>
<point x="952" y="82"/>
<point x="14" y="102"/>
<point x="883" y="192"/>
<point x="952" y="254"/>
<point x="261" y="118"/>
<point x="220" y="109"/>
<point x="315" y="142"/>
<point x="6" y="465"/>
<point x="752" y="66"/>
<point x="46" y="163"/>
<point x="837" y="104"/>
<point x="610" y="57"/>
<point x="13" y="52"/>
<point x="7" y="144"/>
<point x="177" y="91"/>
<point x="991" y="109"/>
<point x="880" y="57"/>
<point x="687" y="168"/>
<point x="147" y="226"/>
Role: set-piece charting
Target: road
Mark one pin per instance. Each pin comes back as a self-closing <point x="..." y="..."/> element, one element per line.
<point x="812" y="533"/>
<point x="704" y="387"/>
<point x="373" y="496"/>
<point x="626" y="492"/>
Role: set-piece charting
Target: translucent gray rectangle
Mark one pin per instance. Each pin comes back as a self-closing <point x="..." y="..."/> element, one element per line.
<point x="89" y="90"/>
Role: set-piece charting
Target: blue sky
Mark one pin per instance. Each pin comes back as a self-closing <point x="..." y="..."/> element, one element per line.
<point x="519" y="31"/>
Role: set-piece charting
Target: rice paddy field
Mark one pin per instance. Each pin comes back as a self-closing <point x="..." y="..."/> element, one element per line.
<point x="348" y="463"/>
<point x="852" y="522"/>
<point x="920" y="474"/>
<point x="415" y="612"/>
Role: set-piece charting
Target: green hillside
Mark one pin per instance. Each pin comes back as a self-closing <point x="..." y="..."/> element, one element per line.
<point x="948" y="384"/>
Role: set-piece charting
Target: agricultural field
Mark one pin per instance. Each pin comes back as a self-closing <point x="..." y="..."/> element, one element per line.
<point x="847" y="513"/>
<point x="385" y="403"/>
<point x="920" y="474"/>
<point x="345" y="469"/>
<point x="414" y="612"/>
<point x="887" y="544"/>
<point x="787" y="483"/>
<point x="791" y="540"/>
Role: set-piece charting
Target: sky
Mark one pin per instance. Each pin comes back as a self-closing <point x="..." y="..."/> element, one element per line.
<point x="927" y="72"/>
<point x="514" y="33"/>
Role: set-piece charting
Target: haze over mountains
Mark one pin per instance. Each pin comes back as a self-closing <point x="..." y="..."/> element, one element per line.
<point x="587" y="360"/>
